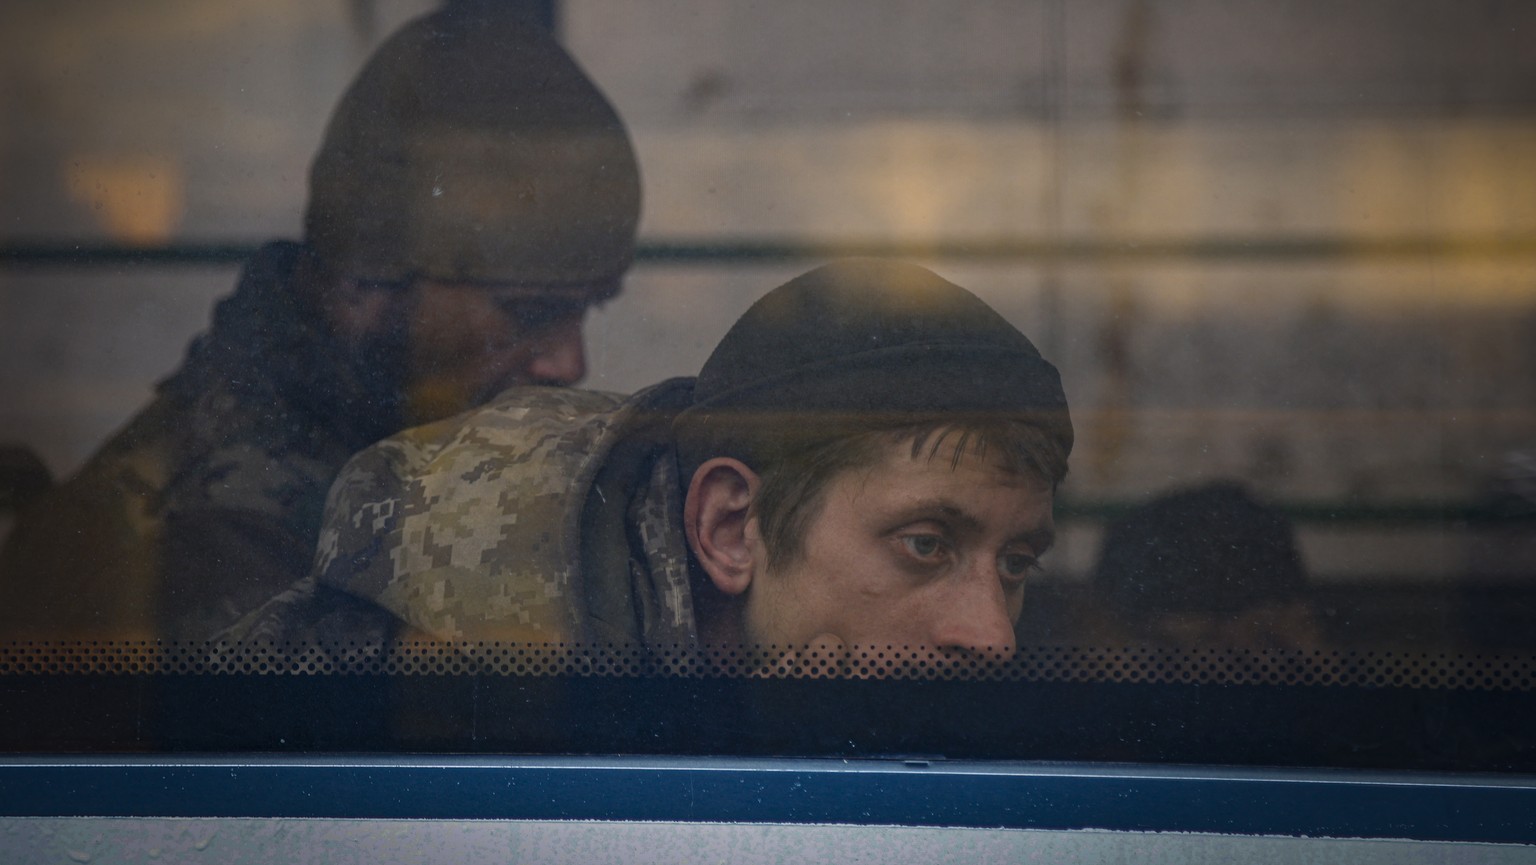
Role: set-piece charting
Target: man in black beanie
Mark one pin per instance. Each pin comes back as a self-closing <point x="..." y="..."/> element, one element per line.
<point x="868" y="458"/>
<point x="1205" y="567"/>
<point x="474" y="195"/>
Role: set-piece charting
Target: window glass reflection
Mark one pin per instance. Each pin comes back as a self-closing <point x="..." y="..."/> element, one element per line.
<point x="502" y="400"/>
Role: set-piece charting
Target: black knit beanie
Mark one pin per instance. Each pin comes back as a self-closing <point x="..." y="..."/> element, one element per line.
<point x="1208" y="549"/>
<point x="472" y="148"/>
<point x="865" y="343"/>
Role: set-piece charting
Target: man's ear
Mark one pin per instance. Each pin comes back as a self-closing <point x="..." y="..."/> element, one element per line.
<point x="715" y="517"/>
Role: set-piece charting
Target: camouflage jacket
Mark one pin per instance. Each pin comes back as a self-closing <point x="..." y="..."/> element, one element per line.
<point x="208" y="502"/>
<point x="550" y="515"/>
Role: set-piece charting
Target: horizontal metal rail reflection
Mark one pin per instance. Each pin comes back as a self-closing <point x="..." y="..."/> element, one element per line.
<point x="685" y="251"/>
<point x="1328" y="513"/>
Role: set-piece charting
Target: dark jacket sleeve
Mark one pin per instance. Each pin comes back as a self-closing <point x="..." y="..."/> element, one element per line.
<point x="221" y="564"/>
<point x="308" y="628"/>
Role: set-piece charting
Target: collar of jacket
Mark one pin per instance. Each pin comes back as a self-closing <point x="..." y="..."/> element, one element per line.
<point x="267" y="345"/>
<point x="550" y="515"/>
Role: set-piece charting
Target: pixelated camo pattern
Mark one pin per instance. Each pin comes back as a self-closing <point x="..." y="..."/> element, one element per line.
<point x="660" y="578"/>
<point x="470" y="528"/>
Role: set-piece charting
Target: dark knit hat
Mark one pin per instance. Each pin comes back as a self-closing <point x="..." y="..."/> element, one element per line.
<point x="869" y="343"/>
<point x="472" y="148"/>
<point x="1208" y="549"/>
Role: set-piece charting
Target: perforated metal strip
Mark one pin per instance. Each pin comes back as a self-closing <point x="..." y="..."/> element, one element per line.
<point x="1385" y="668"/>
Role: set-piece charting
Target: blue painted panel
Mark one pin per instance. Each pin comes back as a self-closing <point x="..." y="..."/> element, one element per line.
<point x="914" y="793"/>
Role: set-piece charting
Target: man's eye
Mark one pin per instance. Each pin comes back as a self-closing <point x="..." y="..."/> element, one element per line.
<point x="533" y="315"/>
<point x="1016" y="564"/>
<point x="923" y="546"/>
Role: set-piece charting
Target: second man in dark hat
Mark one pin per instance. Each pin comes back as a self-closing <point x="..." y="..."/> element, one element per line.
<point x="474" y="195"/>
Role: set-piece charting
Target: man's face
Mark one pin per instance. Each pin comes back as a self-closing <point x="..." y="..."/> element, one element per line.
<point x="916" y="551"/>
<point x="467" y="343"/>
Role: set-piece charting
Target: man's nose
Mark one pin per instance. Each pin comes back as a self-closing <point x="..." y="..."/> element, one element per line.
<point x="558" y="353"/>
<point x="976" y="623"/>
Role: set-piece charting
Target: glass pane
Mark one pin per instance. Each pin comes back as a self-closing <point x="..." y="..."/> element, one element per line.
<point x="1280" y="254"/>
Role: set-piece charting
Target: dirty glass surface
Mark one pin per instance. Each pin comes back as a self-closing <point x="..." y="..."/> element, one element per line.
<point x="1282" y="255"/>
